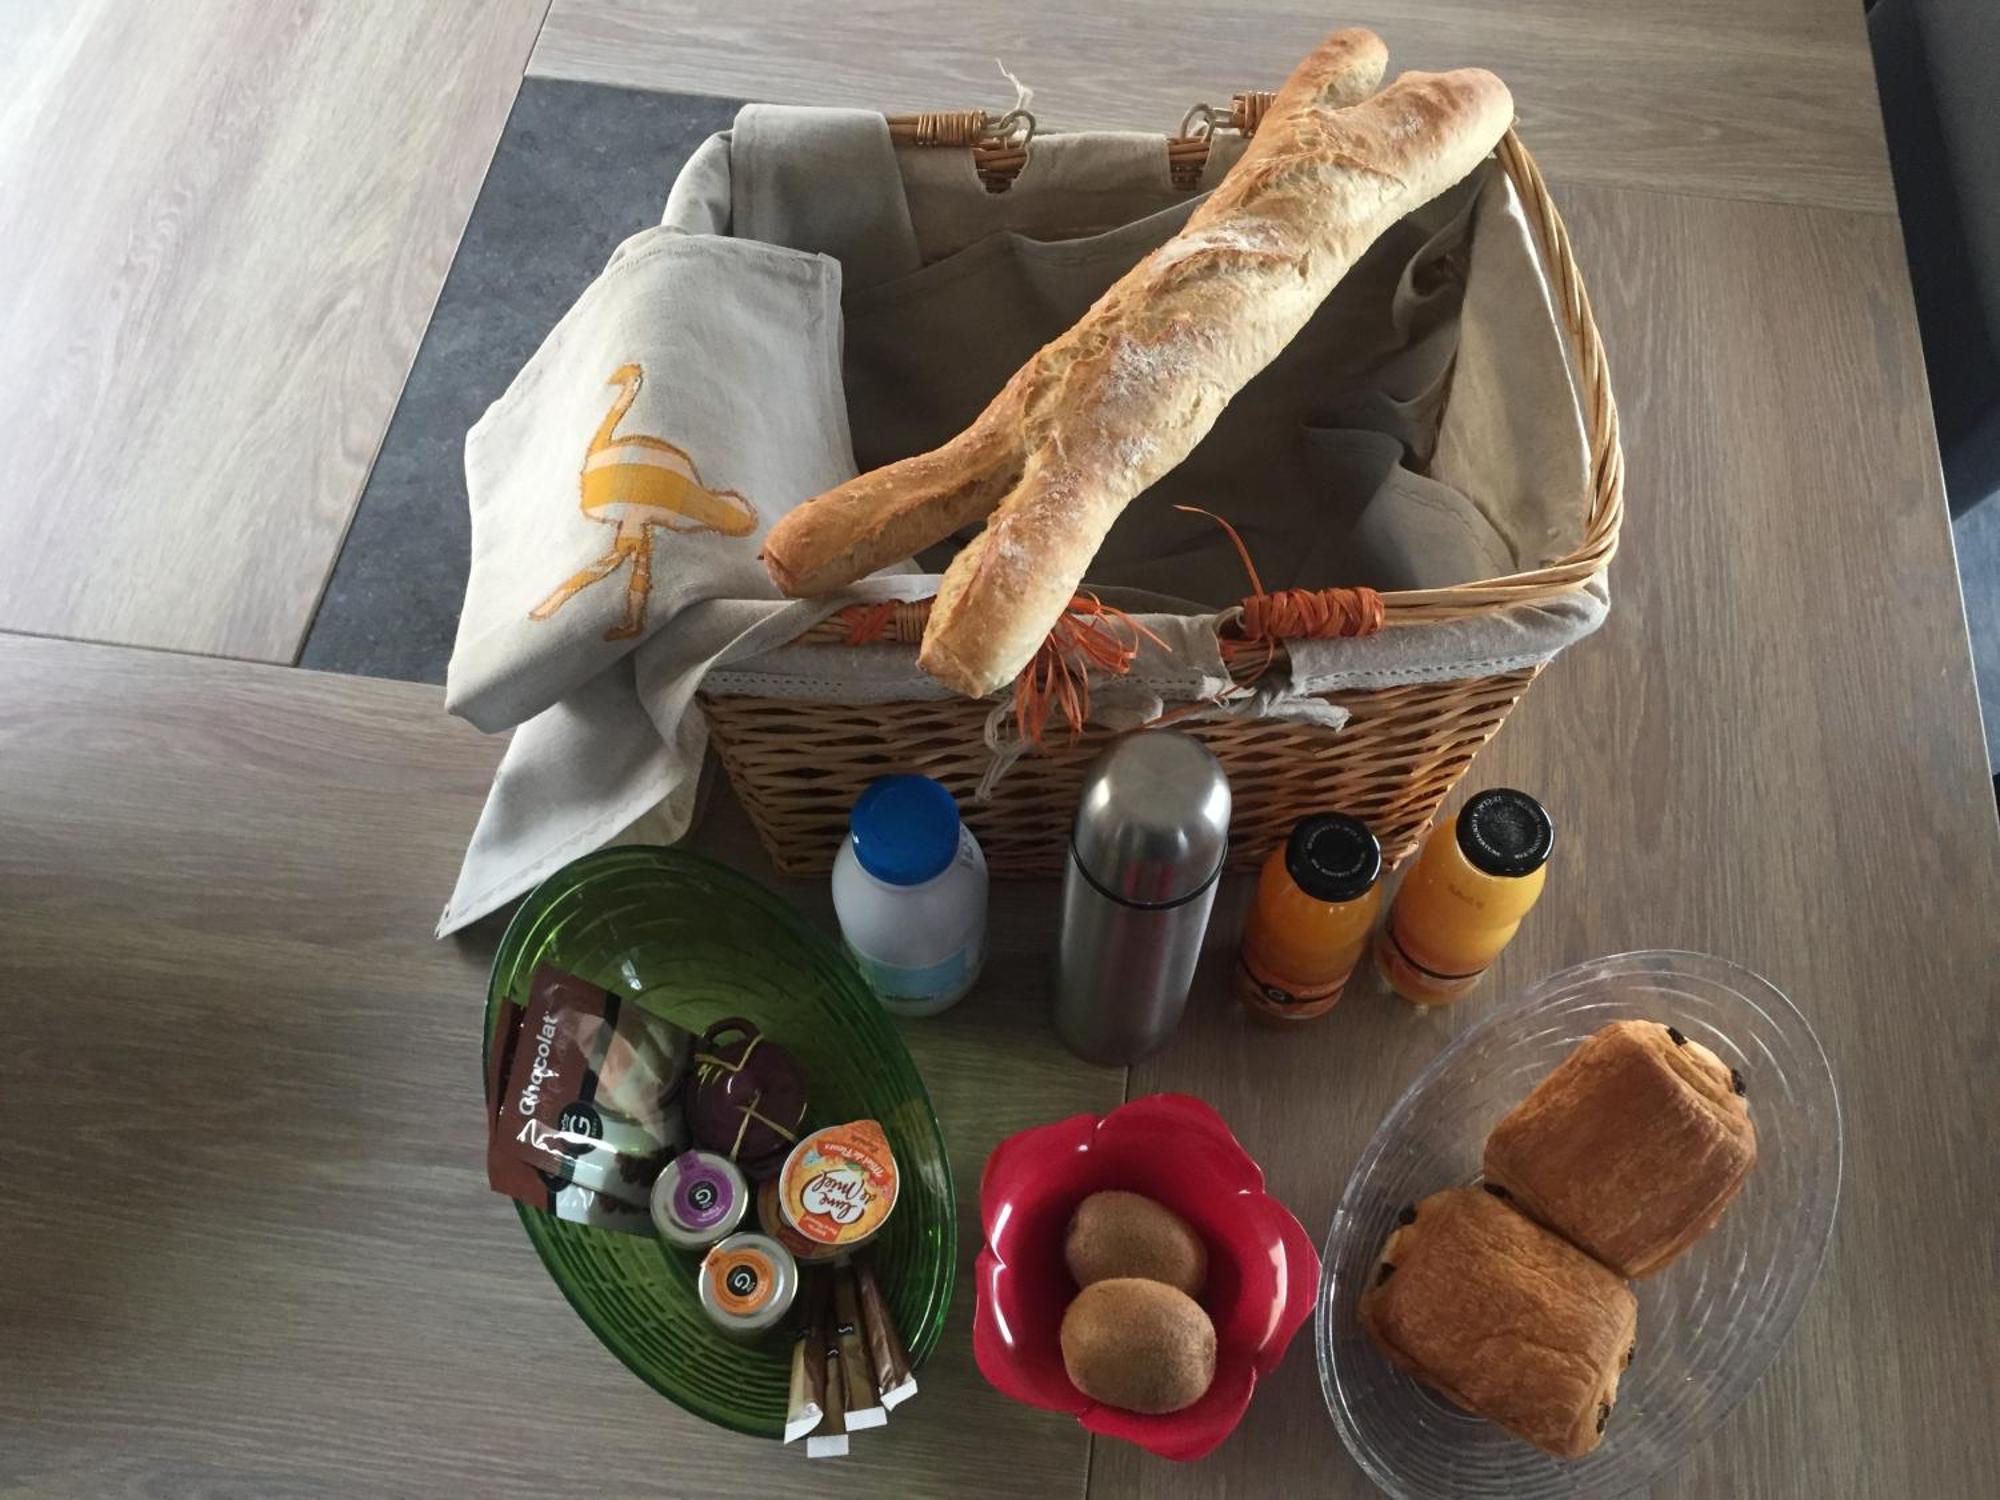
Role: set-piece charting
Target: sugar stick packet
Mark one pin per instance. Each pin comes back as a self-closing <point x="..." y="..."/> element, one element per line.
<point x="806" y="1403"/>
<point x="864" y="1402"/>
<point x="893" y="1377"/>
<point x="829" y="1439"/>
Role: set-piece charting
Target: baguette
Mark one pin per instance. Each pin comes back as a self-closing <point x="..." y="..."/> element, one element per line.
<point x="1109" y="407"/>
<point x="899" y="509"/>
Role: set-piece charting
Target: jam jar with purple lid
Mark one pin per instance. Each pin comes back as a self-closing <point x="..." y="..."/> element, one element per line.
<point x="699" y="1199"/>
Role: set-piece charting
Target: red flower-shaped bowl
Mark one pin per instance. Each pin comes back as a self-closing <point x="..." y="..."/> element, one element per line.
<point x="1262" y="1269"/>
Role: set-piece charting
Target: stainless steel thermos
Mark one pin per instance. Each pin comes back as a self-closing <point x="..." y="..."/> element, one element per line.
<point x="1144" y="856"/>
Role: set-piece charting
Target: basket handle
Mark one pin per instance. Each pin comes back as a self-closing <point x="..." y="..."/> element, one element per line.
<point x="1246" y="112"/>
<point x="1187" y="149"/>
<point x="999" y="142"/>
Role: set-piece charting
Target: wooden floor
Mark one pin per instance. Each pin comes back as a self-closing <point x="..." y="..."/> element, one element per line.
<point x="246" y="1248"/>
<point x="223" y="227"/>
<point x="255" y="1242"/>
<point x="1772" y="100"/>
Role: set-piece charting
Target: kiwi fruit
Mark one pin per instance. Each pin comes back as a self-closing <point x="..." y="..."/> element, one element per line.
<point x="1140" y="1345"/>
<point x="1124" y="1234"/>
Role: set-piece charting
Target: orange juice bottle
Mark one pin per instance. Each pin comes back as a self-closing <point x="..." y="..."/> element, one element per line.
<point x="1464" y="899"/>
<point x="1316" y="900"/>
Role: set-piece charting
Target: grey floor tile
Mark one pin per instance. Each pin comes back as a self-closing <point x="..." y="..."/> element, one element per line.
<point x="1977" y="533"/>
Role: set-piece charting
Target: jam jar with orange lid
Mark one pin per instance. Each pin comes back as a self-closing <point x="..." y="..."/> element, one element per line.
<point x="747" y="1284"/>
<point x="1479" y="874"/>
<point x="1317" y="900"/>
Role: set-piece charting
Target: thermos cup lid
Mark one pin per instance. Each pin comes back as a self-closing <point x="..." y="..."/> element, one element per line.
<point x="1153" y="823"/>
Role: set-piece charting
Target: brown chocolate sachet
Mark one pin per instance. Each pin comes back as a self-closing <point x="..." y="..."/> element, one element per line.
<point x="893" y="1378"/>
<point x="580" y="1085"/>
<point x="864" y="1403"/>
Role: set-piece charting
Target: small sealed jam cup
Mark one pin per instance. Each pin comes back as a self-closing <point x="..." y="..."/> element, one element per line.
<point x="699" y="1198"/>
<point x="839" y="1184"/>
<point x="771" y="1219"/>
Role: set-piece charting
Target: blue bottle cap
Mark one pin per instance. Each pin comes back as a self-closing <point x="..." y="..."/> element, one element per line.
<point x="905" y="829"/>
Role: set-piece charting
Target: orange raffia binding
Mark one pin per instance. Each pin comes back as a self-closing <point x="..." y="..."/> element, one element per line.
<point x="1090" y="634"/>
<point x="1268" y="619"/>
<point x="1094" y="636"/>
<point x="867" y="623"/>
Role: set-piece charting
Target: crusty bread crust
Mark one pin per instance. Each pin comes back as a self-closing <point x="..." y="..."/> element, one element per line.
<point x="1503" y="1319"/>
<point x="1631" y="1149"/>
<point x="1103" y="411"/>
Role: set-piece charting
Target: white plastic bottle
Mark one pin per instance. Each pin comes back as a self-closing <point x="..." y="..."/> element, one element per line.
<point x="909" y="886"/>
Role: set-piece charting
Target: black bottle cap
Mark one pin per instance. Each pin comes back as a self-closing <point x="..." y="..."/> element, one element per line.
<point x="1505" y="832"/>
<point x="1333" y="857"/>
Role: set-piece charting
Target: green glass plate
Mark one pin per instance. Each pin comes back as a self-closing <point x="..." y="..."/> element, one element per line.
<point x="695" y="942"/>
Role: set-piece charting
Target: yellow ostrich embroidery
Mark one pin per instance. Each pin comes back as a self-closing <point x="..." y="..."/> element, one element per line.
<point x="636" y="484"/>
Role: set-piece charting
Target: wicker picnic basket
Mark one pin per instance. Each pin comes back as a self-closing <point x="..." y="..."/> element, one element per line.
<point x="797" y="767"/>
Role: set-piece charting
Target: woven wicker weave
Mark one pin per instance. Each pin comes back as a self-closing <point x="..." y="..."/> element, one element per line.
<point x="798" y="766"/>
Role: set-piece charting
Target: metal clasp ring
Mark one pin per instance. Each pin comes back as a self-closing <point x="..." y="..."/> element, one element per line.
<point x="1200" y="122"/>
<point x="1002" y="130"/>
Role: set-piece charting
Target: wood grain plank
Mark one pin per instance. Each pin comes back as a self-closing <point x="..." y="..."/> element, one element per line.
<point x="248" y="1244"/>
<point x="1768" y="101"/>
<point x="1771" y="752"/>
<point x="224" y="227"/>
